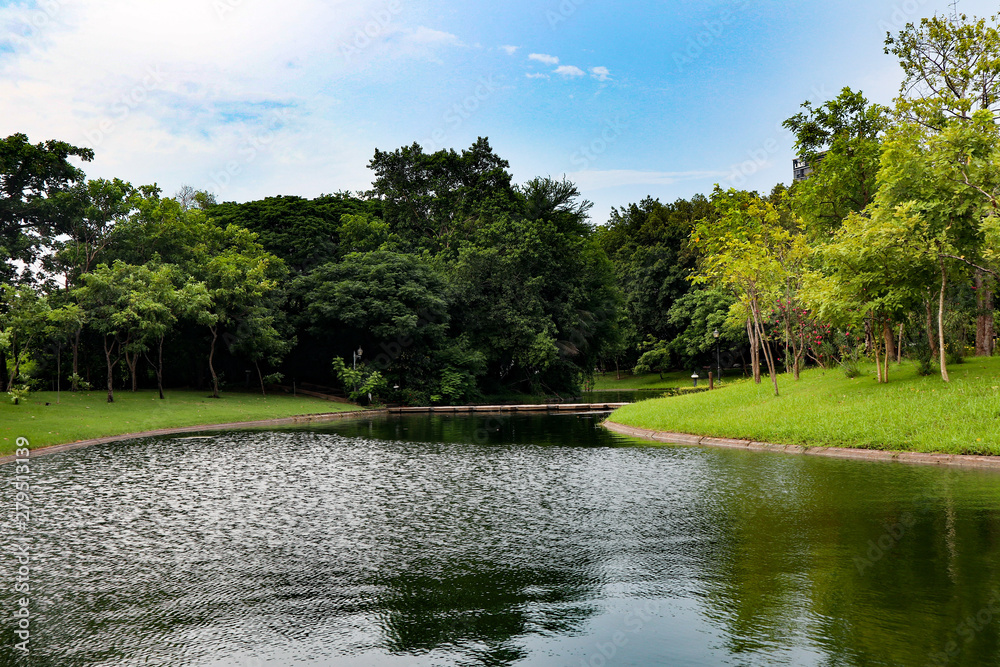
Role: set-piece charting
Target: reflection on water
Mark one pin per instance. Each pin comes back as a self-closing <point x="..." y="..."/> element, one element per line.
<point x="498" y="540"/>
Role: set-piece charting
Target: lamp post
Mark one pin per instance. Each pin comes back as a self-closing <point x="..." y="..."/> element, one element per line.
<point x="694" y="377"/>
<point x="718" y="359"/>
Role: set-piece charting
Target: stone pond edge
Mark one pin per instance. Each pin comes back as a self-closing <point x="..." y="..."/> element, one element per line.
<point x="919" y="458"/>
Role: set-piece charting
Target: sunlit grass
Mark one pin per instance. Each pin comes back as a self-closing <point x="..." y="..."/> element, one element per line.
<point x="86" y="415"/>
<point x="825" y="408"/>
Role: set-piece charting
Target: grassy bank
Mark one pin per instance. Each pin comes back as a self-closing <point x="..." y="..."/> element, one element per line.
<point x="825" y="408"/>
<point x="87" y="415"/>
<point x="610" y="382"/>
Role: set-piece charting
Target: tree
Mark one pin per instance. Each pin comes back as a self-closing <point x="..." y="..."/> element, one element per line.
<point x="391" y="304"/>
<point x="30" y="177"/>
<point x="305" y="233"/>
<point x="536" y="294"/>
<point x="746" y="251"/>
<point x="874" y="268"/>
<point x="433" y="200"/>
<point x="63" y="326"/>
<point x="951" y="69"/>
<point x="649" y="246"/>
<point x="942" y="156"/>
<point x="93" y="209"/>
<point x="258" y="338"/>
<point x="841" y="141"/>
<point x="103" y="297"/>
<point x="698" y="315"/>
<point x="242" y="281"/>
<point x="159" y="296"/>
<point x="23" y="318"/>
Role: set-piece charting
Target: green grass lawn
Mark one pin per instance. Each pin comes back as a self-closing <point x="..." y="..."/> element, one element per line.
<point x="825" y="408"/>
<point x="87" y="415"/>
<point x="609" y="382"/>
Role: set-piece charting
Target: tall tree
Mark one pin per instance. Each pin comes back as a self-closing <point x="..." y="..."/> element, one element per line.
<point x="432" y="200"/>
<point x="841" y="141"/>
<point x="746" y="251"/>
<point x="92" y="211"/>
<point x="30" y="176"/>
<point x="23" y="315"/>
<point x="649" y="246"/>
<point x="944" y="149"/>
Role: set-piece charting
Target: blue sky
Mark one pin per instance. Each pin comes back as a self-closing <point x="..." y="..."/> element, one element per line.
<point x="249" y="98"/>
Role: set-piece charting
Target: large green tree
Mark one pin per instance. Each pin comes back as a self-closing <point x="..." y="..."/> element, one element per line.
<point x="941" y="156"/>
<point x="749" y="252"/>
<point x="30" y="215"/>
<point x="434" y="200"/>
<point x="649" y="246"/>
<point x="841" y="141"/>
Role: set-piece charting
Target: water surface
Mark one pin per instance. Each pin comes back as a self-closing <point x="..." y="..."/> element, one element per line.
<point x="497" y="540"/>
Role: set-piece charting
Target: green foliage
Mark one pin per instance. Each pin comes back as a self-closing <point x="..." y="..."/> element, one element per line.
<point x="841" y="142"/>
<point x="433" y="200"/>
<point x="698" y="315"/>
<point x="655" y="357"/>
<point x="305" y="233"/>
<point x="951" y="69"/>
<point x="18" y="393"/>
<point x="359" y="383"/>
<point x="32" y="177"/>
<point x="360" y="233"/>
<point x="649" y="245"/>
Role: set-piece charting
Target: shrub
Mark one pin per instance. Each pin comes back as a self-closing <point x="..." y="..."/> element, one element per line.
<point x="18" y="393"/>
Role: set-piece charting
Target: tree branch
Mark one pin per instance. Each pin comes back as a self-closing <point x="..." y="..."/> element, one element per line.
<point x="972" y="264"/>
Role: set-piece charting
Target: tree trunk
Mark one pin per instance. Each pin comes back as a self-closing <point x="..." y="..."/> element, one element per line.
<point x="17" y="360"/>
<point x="899" y="348"/>
<point x="158" y="367"/>
<point x="618" y="372"/>
<point x="76" y="360"/>
<point x="768" y="356"/>
<point x="890" y="340"/>
<point x="877" y="343"/>
<point x="211" y="368"/>
<point x="58" y="372"/>
<point x="869" y="337"/>
<point x="111" y="366"/>
<point x="754" y="349"/>
<point x="261" y="378"/>
<point x="931" y="336"/>
<point x="132" y="361"/>
<point x="944" y="283"/>
<point x="4" y="378"/>
<point x="886" y="372"/>
<point x="984" y="320"/>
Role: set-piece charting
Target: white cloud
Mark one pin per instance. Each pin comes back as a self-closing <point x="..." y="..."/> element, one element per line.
<point x="223" y="94"/>
<point x="429" y="36"/>
<point x="569" y="71"/>
<point x="531" y="75"/>
<point x="600" y="73"/>
<point x="544" y="58"/>
<point x="599" y="180"/>
<point x="508" y="49"/>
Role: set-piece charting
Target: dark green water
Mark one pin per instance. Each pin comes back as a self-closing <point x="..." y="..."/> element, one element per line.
<point x="489" y="540"/>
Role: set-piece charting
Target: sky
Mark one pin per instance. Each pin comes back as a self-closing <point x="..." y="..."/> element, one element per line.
<point x="255" y="98"/>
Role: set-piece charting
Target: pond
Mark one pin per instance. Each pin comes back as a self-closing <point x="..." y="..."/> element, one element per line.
<point x="496" y="540"/>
